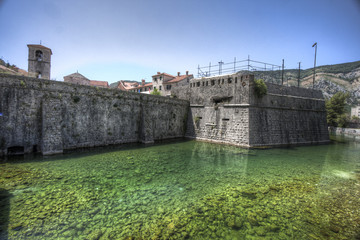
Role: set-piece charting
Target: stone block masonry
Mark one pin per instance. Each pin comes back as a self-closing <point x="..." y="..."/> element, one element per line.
<point x="226" y="109"/>
<point x="52" y="141"/>
<point x="50" y="116"/>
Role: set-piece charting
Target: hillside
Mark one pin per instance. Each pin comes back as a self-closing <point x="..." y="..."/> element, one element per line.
<point x="11" y="69"/>
<point x="329" y="78"/>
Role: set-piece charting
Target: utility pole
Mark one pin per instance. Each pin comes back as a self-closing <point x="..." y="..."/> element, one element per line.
<point x="299" y="75"/>
<point x="314" y="45"/>
<point x="282" y="73"/>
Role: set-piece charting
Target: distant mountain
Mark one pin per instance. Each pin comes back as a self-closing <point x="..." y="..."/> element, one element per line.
<point x="330" y="79"/>
<point x="114" y="84"/>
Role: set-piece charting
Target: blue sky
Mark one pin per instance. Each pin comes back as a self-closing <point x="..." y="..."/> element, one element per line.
<point x="113" y="40"/>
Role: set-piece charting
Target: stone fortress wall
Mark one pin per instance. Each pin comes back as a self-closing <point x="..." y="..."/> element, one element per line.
<point x="225" y="109"/>
<point x="45" y="116"/>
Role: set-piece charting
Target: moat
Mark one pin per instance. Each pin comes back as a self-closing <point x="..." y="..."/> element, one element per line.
<point x="184" y="190"/>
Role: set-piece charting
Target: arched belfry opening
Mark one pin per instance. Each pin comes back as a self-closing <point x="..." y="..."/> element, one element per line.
<point x="38" y="55"/>
<point x="38" y="75"/>
<point x="39" y="61"/>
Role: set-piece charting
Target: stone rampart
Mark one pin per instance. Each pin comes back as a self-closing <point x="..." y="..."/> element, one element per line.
<point x="50" y="116"/>
<point x="226" y="109"/>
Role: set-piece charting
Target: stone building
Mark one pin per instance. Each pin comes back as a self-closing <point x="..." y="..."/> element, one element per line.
<point x="78" y="78"/>
<point x="39" y="61"/>
<point x="144" y="87"/>
<point x="164" y="82"/>
<point x="133" y="86"/>
<point x="355" y="111"/>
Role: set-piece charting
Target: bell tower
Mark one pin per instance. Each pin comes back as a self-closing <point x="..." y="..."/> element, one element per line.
<point x="39" y="61"/>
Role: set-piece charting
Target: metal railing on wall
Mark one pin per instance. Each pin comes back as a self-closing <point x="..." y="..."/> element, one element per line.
<point x="243" y="65"/>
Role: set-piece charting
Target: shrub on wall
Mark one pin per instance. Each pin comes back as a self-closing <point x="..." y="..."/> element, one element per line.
<point x="260" y="88"/>
<point x="156" y="92"/>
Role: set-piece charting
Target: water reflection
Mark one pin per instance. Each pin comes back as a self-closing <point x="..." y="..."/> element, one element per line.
<point x="220" y="159"/>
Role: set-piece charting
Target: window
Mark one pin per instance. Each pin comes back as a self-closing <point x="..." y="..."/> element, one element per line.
<point x="222" y="82"/>
<point x="235" y="79"/>
<point x="168" y="87"/>
<point x="212" y="82"/>
<point x="38" y="55"/>
<point x="198" y="84"/>
<point x="38" y="75"/>
<point x="160" y="88"/>
<point x="207" y="83"/>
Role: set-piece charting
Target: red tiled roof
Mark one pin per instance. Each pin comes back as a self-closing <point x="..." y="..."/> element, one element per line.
<point x="141" y="86"/>
<point x="39" y="46"/>
<point x="178" y="79"/>
<point x="99" y="83"/>
<point x="164" y="74"/>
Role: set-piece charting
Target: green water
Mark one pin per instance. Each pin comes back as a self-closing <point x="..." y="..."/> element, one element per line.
<point x="184" y="190"/>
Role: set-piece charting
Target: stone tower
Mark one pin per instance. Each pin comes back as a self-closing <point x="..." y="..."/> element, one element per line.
<point x="39" y="61"/>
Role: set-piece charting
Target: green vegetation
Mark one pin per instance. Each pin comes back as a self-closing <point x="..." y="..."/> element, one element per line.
<point x="2" y="62"/>
<point x="260" y="88"/>
<point x="8" y="65"/>
<point x="156" y="92"/>
<point x="197" y="119"/>
<point x="339" y="68"/>
<point x="335" y="108"/>
<point x="275" y="76"/>
<point x="355" y="119"/>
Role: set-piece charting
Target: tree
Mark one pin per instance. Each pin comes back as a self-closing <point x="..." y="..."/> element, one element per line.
<point x="335" y="109"/>
<point x="156" y="92"/>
